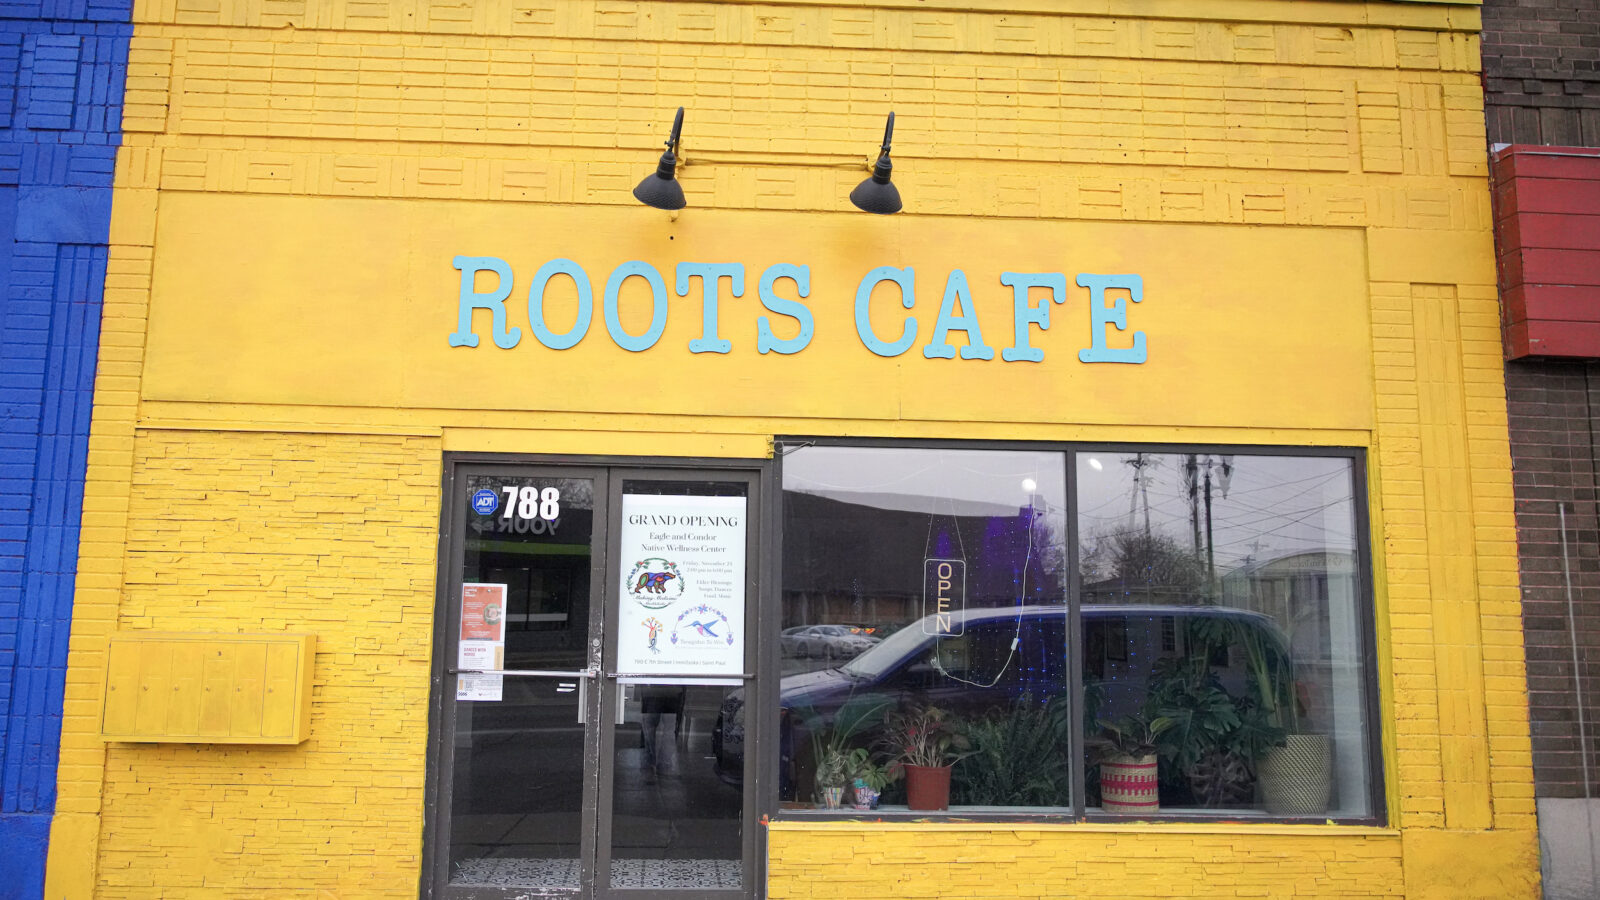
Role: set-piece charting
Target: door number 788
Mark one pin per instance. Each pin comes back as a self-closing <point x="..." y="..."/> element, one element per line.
<point x="531" y="503"/>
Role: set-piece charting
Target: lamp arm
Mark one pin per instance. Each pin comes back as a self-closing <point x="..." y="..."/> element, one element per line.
<point x="677" y="129"/>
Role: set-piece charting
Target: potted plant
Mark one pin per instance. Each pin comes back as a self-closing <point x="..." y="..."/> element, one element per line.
<point x="1128" y="782"/>
<point x="924" y="744"/>
<point x="1018" y="756"/>
<point x="837" y="760"/>
<point x="834" y="769"/>
<point x="1297" y="775"/>
<point x="1296" y="768"/>
<point x="869" y="777"/>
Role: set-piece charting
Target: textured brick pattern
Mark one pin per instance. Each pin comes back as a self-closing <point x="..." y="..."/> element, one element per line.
<point x="1553" y="444"/>
<point x="61" y="68"/>
<point x="302" y="533"/>
<point x="1445" y="496"/>
<point x="1541" y="65"/>
<point x="1217" y="112"/>
<point x="1042" y="864"/>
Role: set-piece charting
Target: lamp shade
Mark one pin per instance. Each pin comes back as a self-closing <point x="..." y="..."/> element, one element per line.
<point x="874" y="196"/>
<point x="660" y="189"/>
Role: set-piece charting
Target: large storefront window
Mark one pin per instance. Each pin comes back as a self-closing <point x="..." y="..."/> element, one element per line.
<point x="1203" y="652"/>
<point x="925" y="588"/>
<point x="1220" y="609"/>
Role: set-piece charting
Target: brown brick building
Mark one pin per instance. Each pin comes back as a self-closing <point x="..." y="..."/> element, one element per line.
<point x="1541" y="62"/>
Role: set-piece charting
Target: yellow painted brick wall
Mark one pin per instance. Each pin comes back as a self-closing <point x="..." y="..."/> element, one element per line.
<point x="328" y="534"/>
<point x="219" y="516"/>
<point x="949" y="862"/>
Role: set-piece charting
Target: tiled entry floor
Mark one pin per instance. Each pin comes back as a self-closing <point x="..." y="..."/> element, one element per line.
<point x="562" y="874"/>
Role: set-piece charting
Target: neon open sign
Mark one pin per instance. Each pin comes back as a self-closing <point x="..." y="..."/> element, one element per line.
<point x="944" y="596"/>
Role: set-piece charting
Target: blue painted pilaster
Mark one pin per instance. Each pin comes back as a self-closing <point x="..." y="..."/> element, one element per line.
<point x="63" y="64"/>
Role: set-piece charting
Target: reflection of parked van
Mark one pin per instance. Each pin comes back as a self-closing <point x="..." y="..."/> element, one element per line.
<point x="998" y="656"/>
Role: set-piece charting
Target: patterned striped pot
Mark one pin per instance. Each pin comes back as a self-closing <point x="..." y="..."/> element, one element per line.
<point x="1128" y="784"/>
<point x="1297" y="778"/>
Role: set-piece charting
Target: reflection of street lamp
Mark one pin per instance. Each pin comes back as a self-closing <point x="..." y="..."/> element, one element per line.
<point x="1198" y="469"/>
<point x="1050" y="556"/>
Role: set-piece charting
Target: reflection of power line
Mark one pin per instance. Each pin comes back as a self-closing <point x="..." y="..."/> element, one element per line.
<point x="1173" y="503"/>
<point x="1330" y="539"/>
<point x="1295" y="521"/>
<point x="1273" y="515"/>
<point x="1237" y="490"/>
<point x="1161" y="505"/>
<point x="1279" y="501"/>
<point x="1279" y="485"/>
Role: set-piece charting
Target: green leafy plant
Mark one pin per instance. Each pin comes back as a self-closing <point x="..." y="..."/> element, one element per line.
<point x="1018" y="757"/>
<point x="868" y="770"/>
<point x="1216" y="739"/>
<point x="1135" y="735"/>
<point x="1186" y="691"/>
<point x="833" y="743"/>
<point x="923" y="736"/>
<point x="1269" y="667"/>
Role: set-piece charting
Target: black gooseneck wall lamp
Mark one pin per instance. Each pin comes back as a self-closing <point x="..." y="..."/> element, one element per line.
<point x="877" y="194"/>
<point x="661" y="189"/>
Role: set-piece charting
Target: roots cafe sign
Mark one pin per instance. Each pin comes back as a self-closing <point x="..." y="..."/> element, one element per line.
<point x="783" y="289"/>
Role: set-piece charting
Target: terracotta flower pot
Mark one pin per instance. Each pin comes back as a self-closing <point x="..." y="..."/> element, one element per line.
<point x="1128" y="785"/>
<point x="928" y="787"/>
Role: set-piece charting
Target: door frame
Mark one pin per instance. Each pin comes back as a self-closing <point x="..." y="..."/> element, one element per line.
<point x="609" y="683"/>
<point x="607" y="473"/>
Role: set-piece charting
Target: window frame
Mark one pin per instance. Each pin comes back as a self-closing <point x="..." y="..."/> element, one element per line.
<point x="1366" y="637"/>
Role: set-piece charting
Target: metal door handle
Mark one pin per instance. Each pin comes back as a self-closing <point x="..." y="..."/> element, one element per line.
<point x="580" y="681"/>
<point x="667" y="679"/>
<point x="528" y="673"/>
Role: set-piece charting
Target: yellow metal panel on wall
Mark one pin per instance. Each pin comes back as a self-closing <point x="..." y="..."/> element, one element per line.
<point x="1227" y="312"/>
<point x="121" y="702"/>
<point x="188" y="664"/>
<point x="216" y="716"/>
<point x="207" y="688"/>
<point x="278" y="710"/>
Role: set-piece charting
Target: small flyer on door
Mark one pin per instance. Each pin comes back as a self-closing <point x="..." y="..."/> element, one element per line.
<point x="483" y="642"/>
<point x="682" y="588"/>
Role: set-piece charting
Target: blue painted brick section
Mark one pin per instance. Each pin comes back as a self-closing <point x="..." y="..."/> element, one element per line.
<point x="63" y="64"/>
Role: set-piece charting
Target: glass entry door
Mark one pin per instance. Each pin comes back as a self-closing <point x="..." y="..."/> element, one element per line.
<point x="591" y="731"/>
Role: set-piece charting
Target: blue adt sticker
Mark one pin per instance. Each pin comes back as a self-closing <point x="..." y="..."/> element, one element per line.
<point x="485" y="502"/>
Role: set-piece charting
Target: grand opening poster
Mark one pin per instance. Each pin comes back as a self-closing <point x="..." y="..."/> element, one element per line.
<point x="682" y="586"/>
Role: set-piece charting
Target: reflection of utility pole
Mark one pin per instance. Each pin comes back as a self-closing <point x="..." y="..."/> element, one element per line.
<point x="1141" y="488"/>
<point x="1198" y="469"/>
<point x="1191" y="468"/>
<point x="1211" y="545"/>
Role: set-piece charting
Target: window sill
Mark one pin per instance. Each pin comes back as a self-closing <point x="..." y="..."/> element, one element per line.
<point x="899" y="818"/>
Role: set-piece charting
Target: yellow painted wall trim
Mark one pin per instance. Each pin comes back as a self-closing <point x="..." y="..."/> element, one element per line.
<point x="1167" y="828"/>
<point x="175" y="424"/>
<point x="613" y="443"/>
<point x="459" y="427"/>
<point x="417" y="17"/>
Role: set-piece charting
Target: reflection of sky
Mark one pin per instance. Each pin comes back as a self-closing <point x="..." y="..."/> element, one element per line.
<point x="1274" y="506"/>
<point x="993" y="477"/>
<point x="1002" y="512"/>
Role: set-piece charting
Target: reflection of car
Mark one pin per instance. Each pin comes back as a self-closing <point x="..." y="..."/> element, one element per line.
<point x="825" y="641"/>
<point x="999" y="656"/>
